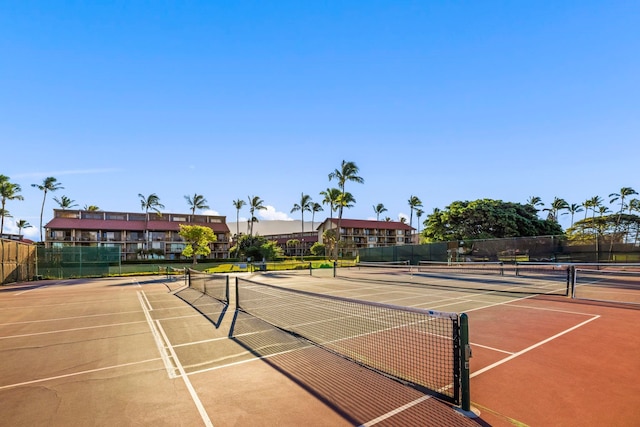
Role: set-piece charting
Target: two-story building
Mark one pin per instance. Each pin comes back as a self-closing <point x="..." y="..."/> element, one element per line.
<point x="139" y="235"/>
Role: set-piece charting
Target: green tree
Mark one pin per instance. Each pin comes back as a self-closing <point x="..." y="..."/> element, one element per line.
<point x="378" y="209"/>
<point x="419" y="213"/>
<point x="304" y="205"/>
<point x="255" y="203"/>
<point x="65" y="203"/>
<point x="315" y="208"/>
<point x="197" y="201"/>
<point x="348" y="172"/>
<point x="91" y="208"/>
<point x="8" y="191"/>
<point x="317" y="249"/>
<point x="557" y="205"/>
<point x="534" y="201"/>
<point x="149" y="203"/>
<point x="331" y="196"/>
<point x="486" y="219"/>
<point x="238" y="204"/>
<point x="573" y="209"/>
<point x="49" y="184"/>
<point x="22" y="224"/>
<point x="624" y="193"/>
<point x="198" y="239"/>
<point x="414" y="202"/>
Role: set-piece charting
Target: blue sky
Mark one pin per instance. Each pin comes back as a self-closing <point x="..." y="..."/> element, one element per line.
<point x="454" y="100"/>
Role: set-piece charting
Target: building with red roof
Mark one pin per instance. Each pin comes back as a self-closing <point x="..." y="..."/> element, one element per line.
<point x="139" y="235"/>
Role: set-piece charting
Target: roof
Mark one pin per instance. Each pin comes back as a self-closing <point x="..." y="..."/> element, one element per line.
<point x="119" y="225"/>
<point x="366" y="223"/>
<point x="274" y="227"/>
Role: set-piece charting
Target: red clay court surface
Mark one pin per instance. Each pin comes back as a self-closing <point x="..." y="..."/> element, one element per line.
<point x="146" y="351"/>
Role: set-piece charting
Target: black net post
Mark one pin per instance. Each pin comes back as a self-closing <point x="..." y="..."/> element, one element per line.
<point x="465" y="349"/>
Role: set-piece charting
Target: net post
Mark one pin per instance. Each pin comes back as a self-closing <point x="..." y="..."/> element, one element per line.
<point x="501" y="268"/>
<point x="465" y="349"/>
<point x="226" y="291"/>
<point x="310" y="268"/>
<point x="237" y="298"/>
<point x="335" y="266"/>
<point x="187" y="276"/>
<point x="572" y="284"/>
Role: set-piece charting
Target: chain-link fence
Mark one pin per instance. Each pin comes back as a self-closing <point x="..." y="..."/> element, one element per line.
<point x="77" y="261"/>
<point x="517" y="249"/>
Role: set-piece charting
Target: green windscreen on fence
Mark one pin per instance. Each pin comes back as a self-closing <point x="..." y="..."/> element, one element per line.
<point x="77" y="261"/>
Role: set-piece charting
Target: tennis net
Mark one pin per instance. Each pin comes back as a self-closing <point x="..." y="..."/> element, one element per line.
<point x="607" y="282"/>
<point x="214" y="285"/>
<point x="426" y="349"/>
<point x="465" y="267"/>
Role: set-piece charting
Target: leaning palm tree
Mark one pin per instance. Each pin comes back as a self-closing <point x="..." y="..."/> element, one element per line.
<point x="534" y="201"/>
<point x="196" y="202"/>
<point x="65" y="203"/>
<point x="304" y="205"/>
<point x="348" y="171"/>
<point x="238" y="204"/>
<point x="414" y="202"/>
<point x="8" y="191"/>
<point x="49" y="184"/>
<point x="22" y="224"/>
<point x="315" y="207"/>
<point x="331" y="198"/>
<point x="378" y="209"/>
<point x="152" y="202"/>
<point x="255" y="203"/>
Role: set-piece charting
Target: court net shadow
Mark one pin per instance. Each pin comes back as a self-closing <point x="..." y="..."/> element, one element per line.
<point x="212" y="309"/>
<point x="358" y="394"/>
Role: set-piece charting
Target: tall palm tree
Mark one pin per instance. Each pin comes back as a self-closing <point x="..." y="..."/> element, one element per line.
<point x="49" y="184"/>
<point x="65" y="203"/>
<point x="152" y="202"/>
<point x="304" y="205"/>
<point x="573" y="209"/>
<point x="22" y="224"/>
<point x="315" y="207"/>
<point x="348" y="171"/>
<point x="238" y="204"/>
<point x="8" y="191"/>
<point x="414" y="202"/>
<point x="196" y="202"/>
<point x="255" y="203"/>
<point x="419" y="213"/>
<point x="331" y="196"/>
<point x="378" y="209"/>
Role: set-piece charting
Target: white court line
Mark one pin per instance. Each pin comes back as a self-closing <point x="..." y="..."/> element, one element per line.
<point x="396" y="411"/>
<point x="55" y="319"/>
<point x="156" y="336"/>
<point x="77" y="373"/>
<point x="59" y="331"/>
<point x="29" y="290"/>
<point x="526" y="350"/>
<point x="185" y="378"/>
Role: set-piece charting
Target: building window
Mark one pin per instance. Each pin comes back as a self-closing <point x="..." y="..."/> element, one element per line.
<point x="400" y="232"/>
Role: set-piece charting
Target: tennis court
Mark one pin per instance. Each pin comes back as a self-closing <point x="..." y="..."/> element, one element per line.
<point x="150" y="351"/>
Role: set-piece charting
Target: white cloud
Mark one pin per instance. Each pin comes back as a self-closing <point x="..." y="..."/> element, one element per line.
<point x="29" y="233"/>
<point x="271" y="214"/>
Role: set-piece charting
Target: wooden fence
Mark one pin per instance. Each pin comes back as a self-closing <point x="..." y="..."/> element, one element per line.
<point x="17" y="261"/>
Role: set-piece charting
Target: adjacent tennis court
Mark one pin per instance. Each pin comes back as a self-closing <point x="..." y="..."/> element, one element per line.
<point x="299" y="352"/>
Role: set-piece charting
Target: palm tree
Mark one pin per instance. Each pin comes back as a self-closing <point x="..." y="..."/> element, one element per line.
<point x="331" y="198"/>
<point x="305" y="205"/>
<point x="573" y="209"/>
<point x="378" y="209"/>
<point x="624" y="192"/>
<point x="414" y="202"/>
<point x="196" y="202"/>
<point x="315" y="207"/>
<point x="238" y="204"/>
<point x="65" y="203"/>
<point x="8" y="191"/>
<point x="152" y="202"/>
<point x="419" y="213"/>
<point x="21" y="224"/>
<point x="255" y="202"/>
<point x="91" y="208"/>
<point x="534" y="201"/>
<point x="348" y="172"/>
<point x="557" y="205"/>
<point x="48" y="184"/>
